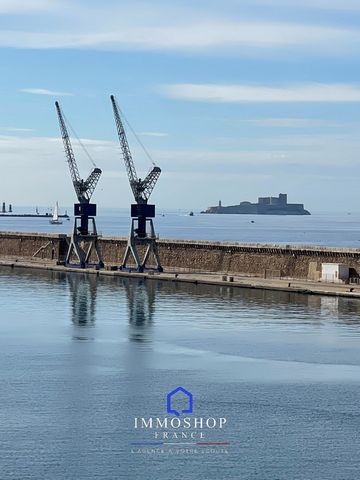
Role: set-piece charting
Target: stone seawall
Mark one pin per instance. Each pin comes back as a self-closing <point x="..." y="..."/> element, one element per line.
<point x="260" y="260"/>
<point x="32" y="245"/>
<point x="270" y="261"/>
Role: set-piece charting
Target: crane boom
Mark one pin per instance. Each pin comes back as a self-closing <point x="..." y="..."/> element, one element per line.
<point x="75" y="175"/>
<point x="141" y="188"/>
<point x="91" y="182"/>
<point x="150" y="180"/>
<point x="83" y="189"/>
<point x="125" y="149"/>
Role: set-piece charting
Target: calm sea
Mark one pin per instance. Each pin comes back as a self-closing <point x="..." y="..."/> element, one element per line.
<point x="82" y="356"/>
<point x="341" y="230"/>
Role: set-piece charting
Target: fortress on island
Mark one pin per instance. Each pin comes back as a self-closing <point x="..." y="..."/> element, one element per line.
<point x="264" y="206"/>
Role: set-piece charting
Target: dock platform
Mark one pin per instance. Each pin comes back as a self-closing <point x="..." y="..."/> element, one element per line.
<point x="230" y="281"/>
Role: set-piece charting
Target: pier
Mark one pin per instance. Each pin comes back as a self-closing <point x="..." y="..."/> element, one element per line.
<point x="32" y="215"/>
<point x="276" y="267"/>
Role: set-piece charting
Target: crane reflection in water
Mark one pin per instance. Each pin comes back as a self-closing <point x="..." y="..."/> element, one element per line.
<point x="134" y="304"/>
<point x="141" y="306"/>
<point x="140" y="299"/>
<point x="83" y="293"/>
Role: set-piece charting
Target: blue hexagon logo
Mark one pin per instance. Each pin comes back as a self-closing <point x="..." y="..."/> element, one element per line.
<point x="170" y="396"/>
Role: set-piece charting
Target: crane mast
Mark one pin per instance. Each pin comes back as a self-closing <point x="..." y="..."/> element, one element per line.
<point x="83" y="189"/>
<point x="141" y="189"/>
<point x="142" y="213"/>
<point x="84" y="211"/>
<point x="125" y="149"/>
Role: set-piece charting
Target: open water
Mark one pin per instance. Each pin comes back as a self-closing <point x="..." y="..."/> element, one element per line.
<point x="341" y="230"/>
<point x="82" y="356"/>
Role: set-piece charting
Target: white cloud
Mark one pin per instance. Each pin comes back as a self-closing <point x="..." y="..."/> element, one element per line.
<point x="346" y="5"/>
<point x="176" y="26"/>
<point x="40" y="149"/>
<point x="19" y="6"/>
<point x="309" y="150"/>
<point x="37" y="166"/>
<point x="293" y="123"/>
<point x="26" y="151"/>
<point x="44" y="91"/>
<point x="16" y="129"/>
<point x="311" y="92"/>
<point x="182" y="34"/>
<point x="154" y="134"/>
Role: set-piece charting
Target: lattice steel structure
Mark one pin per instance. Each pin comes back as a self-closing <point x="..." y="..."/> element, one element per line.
<point x="84" y="240"/>
<point x="141" y="212"/>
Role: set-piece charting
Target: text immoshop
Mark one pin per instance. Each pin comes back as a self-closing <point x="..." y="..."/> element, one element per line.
<point x="175" y="422"/>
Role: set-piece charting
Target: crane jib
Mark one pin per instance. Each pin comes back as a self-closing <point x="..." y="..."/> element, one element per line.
<point x="141" y="189"/>
<point x="84" y="189"/>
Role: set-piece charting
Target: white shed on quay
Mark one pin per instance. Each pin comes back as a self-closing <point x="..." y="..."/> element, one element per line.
<point x="334" y="272"/>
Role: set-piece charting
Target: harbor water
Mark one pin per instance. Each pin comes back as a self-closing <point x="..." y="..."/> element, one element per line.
<point x="82" y="356"/>
<point x="341" y="230"/>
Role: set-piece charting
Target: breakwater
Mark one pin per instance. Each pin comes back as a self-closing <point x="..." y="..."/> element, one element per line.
<point x="258" y="260"/>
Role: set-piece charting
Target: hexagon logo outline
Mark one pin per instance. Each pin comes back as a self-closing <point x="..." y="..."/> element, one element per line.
<point x="174" y="392"/>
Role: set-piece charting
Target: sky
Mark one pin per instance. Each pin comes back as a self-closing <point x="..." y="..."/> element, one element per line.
<point x="233" y="99"/>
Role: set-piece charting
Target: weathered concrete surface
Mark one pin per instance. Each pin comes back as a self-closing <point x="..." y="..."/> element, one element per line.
<point x="265" y="261"/>
<point x="297" y="286"/>
<point x="32" y="245"/>
<point x="256" y="259"/>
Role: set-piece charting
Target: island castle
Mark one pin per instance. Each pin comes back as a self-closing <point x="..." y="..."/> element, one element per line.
<point x="264" y="206"/>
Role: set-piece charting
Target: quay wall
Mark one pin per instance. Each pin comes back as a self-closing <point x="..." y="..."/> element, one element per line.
<point x="19" y="245"/>
<point x="261" y="260"/>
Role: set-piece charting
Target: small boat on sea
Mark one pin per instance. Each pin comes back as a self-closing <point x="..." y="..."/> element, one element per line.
<point x="191" y="214"/>
<point x="55" y="218"/>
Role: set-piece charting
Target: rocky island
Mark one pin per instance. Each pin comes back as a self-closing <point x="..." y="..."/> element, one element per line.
<point x="264" y="206"/>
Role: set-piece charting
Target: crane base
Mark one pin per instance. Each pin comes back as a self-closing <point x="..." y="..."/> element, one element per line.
<point x="147" y="242"/>
<point x="84" y="247"/>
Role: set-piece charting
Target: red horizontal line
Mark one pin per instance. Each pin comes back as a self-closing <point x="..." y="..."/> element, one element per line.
<point x="213" y="443"/>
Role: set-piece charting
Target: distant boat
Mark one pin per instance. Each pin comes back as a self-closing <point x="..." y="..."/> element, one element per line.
<point x="55" y="218"/>
<point x="191" y="214"/>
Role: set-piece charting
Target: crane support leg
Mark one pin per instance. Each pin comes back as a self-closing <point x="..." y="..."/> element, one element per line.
<point x="84" y="247"/>
<point x="148" y="242"/>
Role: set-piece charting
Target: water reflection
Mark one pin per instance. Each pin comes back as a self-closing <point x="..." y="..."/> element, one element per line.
<point x="143" y="297"/>
<point x="282" y="387"/>
<point x="83" y="291"/>
<point x="83" y="296"/>
<point x="140" y="300"/>
<point x="141" y="306"/>
<point x="279" y="305"/>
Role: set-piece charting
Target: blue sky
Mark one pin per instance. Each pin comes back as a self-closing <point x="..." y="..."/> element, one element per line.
<point x="233" y="99"/>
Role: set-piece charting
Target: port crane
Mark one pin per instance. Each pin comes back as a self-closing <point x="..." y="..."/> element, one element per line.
<point x="84" y="240"/>
<point x="142" y="213"/>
